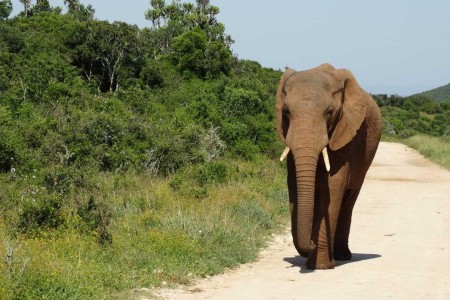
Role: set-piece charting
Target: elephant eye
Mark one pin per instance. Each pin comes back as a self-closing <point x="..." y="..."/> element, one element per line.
<point x="286" y="112"/>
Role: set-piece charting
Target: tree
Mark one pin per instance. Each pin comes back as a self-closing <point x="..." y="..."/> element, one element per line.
<point x="202" y="6"/>
<point x="102" y="50"/>
<point x="73" y="5"/>
<point x="5" y="9"/>
<point x="156" y="14"/>
<point x="188" y="8"/>
<point x="193" y="54"/>
<point x="189" y="52"/>
<point x="26" y="6"/>
<point x="40" y="6"/>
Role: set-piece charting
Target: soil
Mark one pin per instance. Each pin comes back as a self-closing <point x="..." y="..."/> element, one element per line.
<point x="400" y="240"/>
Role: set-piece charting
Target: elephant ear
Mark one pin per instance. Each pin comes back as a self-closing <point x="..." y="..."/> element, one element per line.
<point x="353" y="111"/>
<point x="281" y="94"/>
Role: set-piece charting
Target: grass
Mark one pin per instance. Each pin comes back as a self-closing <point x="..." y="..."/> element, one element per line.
<point x="160" y="232"/>
<point x="437" y="149"/>
<point x="136" y="231"/>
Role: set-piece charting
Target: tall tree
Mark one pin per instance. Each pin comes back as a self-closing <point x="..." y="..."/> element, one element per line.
<point x="113" y="46"/>
<point x="188" y="8"/>
<point x="156" y="14"/>
<point x="41" y="5"/>
<point x="26" y="6"/>
<point x="195" y="55"/>
<point x="202" y="6"/>
<point x="5" y="9"/>
<point x="73" y="5"/>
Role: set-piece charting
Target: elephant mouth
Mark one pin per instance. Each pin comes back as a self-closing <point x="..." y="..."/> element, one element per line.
<point x="324" y="154"/>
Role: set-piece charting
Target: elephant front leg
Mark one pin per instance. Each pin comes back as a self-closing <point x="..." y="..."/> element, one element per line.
<point x="332" y="188"/>
<point x="340" y="248"/>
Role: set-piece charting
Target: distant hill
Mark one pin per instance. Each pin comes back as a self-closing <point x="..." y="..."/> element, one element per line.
<point x="438" y="94"/>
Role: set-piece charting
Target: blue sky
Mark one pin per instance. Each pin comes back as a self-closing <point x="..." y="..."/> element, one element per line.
<point x="394" y="47"/>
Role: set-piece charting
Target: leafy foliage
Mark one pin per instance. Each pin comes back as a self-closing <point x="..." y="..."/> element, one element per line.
<point x="416" y="114"/>
<point x="90" y="110"/>
<point x="5" y="9"/>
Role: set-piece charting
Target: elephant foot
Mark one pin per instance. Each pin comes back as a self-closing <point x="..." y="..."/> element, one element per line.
<point x="303" y="254"/>
<point x="320" y="261"/>
<point x="342" y="253"/>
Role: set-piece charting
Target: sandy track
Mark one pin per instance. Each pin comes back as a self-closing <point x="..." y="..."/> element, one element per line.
<point x="400" y="241"/>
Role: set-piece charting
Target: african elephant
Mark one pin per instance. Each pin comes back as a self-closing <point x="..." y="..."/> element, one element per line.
<point x="331" y="128"/>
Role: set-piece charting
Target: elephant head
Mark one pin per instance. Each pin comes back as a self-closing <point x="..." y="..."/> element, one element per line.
<point x="315" y="109"/>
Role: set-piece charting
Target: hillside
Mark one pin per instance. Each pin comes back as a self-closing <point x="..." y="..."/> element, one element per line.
<point x="439" y="94"/>
<point x="117" y="145"/>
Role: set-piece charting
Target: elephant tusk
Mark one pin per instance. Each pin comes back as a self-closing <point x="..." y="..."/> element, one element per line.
<point x="326" y="158"/>
<point x="285" y="153"/>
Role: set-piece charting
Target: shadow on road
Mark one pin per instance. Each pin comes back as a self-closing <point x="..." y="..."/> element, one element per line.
<point x="298" y="261"/>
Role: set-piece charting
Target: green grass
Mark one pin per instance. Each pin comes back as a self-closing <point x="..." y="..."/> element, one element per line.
<point x="437" y="149"/>
<point x="162" y="232"/>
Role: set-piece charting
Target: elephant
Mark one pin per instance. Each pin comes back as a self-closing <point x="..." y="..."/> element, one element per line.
<point x="331" y="128"/>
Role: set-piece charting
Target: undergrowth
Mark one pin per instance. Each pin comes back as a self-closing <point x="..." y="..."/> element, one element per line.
<point x="134" y="230"/>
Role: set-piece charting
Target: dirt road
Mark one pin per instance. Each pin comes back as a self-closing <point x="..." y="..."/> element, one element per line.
<point x="400" y="241"/>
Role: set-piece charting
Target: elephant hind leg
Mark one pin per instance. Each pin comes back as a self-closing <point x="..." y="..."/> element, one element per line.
<point x="340" y="247"/>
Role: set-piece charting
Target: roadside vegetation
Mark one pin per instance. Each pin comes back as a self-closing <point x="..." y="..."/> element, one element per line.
<point x="420" y="122"/>
<point x="130" y="157"/>
<point x="135" y="158"/>
<point x="437" y="149"/>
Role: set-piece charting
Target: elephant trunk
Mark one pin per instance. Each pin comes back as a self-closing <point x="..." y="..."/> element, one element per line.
<point x="305" y="168"/>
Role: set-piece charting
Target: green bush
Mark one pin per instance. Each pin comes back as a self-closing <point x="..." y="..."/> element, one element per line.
<point x="240" y="101"/>
<point x="246" y="149"/>
<point x="40" y="210"/>
<point x="63" y="179"/>
<point x="211" y="173"/>
<point x="233" y="131"/>
<point x="152" y="74"/>
<point x="97" y="216"/>
<point x="9" y="142"/>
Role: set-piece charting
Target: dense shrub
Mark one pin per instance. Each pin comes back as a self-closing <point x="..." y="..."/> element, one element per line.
<point x="211" y="173"/>
<point x="246" y="149"/>
<point x="407" y="116"/>
<point x="40" y="210"/>
<point x="97" y="216"/>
